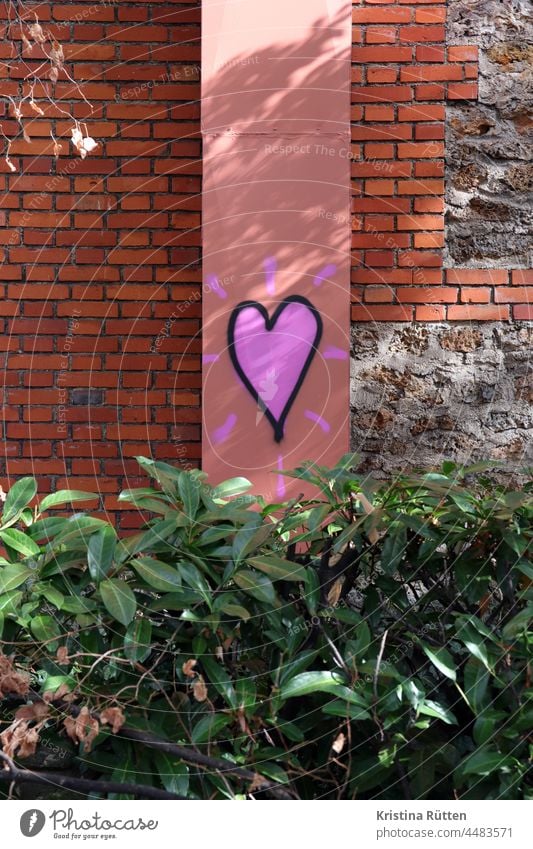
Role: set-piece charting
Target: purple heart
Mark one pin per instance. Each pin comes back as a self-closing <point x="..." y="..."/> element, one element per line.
<point x="272" y="355"/>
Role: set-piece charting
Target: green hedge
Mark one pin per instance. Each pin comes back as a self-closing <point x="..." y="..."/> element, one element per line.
<point x="372" y="641"/>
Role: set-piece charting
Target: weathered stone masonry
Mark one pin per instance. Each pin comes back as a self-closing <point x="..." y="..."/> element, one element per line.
<point x="455" y="389"/>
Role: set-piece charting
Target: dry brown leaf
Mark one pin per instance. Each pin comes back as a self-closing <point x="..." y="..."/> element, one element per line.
<point x="12" y="681"/>
<point x="82" y="729"/>
<point x="62" y="656"/>
<point x="19" y="739"/>
<point x="114" y="717"/>
<point x="257" y="783"/>
<point x="335" y="592"/>
<point x="188" y="668"/>
<point x="33" y="713"/>
<point x="199" y="690"/>
<point x="338" y="743"/>
<point x="61" y="694"/>
<point x="36" y="32"/>
<point x="37" y="109"/>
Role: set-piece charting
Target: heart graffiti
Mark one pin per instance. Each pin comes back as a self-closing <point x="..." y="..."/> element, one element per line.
<point x="272" y="355"/>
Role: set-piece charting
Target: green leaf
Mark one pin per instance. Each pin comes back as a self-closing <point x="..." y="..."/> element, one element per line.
<point x="346" y="710"/>
<point x="78" y="604"/>
<point x="137" y="640"/>
<point x="13" y="576"/>
<point x="256" y="585"/>
<point x="278" y="569"/>
<point x="475" y="645"/>
<point x="431" y="708"/>
<point x="246" y="693"/>
<point x="208" y="728"/>
<point x="476" y="679"/>
<point x="189" y="490"/>
<point x="289" y="670"/>
<point x="65" y="496"/>
<point x="194" y="578"/>
<point x="43" y="629"/>
<point x="51" y="594"/>
<point x="21" y="542"/>
<point x="100" y="553"/>
<point x="233" y="486"/>
<point x="154" y="536"/>
<point x="393" y="548"/>
<point x="236" y="611"/>
<point x="10" y="603"/>
<point x="320" y="682"/>
<point x="174" y="774"/>
<point x="484" y="762"/>
<point x="18" y="497"/>
<point x="219" y="678"/>
<point x="442" y="659"/>
<point x="518" y="624"/>
<point x="156" y="574"/>
<point x="119" y="600"/>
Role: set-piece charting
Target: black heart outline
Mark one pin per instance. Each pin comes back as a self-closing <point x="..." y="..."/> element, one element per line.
<point x="278" y="425"/>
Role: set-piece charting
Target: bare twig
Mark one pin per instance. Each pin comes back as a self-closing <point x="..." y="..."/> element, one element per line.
<point x="83" y="786"/>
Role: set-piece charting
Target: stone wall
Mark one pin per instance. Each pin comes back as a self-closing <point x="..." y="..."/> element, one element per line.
<point x="423" y="393"/>
<point x="489" y="143"/>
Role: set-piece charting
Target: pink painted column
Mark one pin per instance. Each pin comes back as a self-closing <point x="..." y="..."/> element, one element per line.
<point x="276" y="237"/>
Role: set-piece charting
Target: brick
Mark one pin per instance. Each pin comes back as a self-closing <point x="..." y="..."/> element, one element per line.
<point x="381" y="75"/>
<point x="419" y="258"/>
<point x="421" y="187"/>
<point x="474" y="295"/>
<point x="381" y="35"/>
<point x="415" y="34"/>
<point x="523" y="312"/>
<point x="513" y="295"/>
<point x="421" y="112"/>
<point x="428" y="240"/>
<point x="433" y="168"/>
<point x="463" y="53"/>
<point x="481" y="312"/>
<point x="420" y="222"/>
<point x="437" y="15"/>
<point x="379" y="187"/>
<point x="429" y="204"/>
<point x="382" y="313"/>
<point x="477" y="276"/>
<point x="387" y="15"/>
<point x="522" y="277"/>
<point x="383" y="132"/>
<point x="430" y="73"/>
<point x="378" y="294"/>
<point x="421" y="151"/>
<point x="429" y="132"/>
<point x="433" y="295"/>
<point x="425" y="91"/>
<point x="430" y="313"/>
<point x="425" y="53"/>
<point x="462" y="91"/>
<point x="379" y="113"/>
<point x="381" y="54"/>
<point x="381" y="94"/>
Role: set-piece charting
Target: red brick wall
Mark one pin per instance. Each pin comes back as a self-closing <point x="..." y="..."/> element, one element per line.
<point x="101" y="257"/>
<point x="100" y="308"/>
